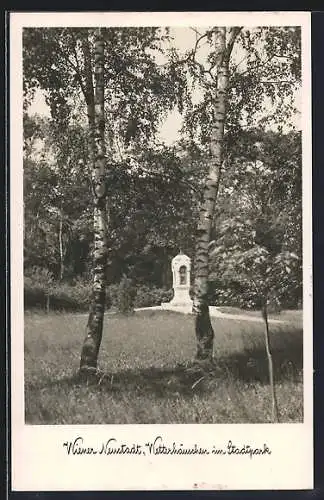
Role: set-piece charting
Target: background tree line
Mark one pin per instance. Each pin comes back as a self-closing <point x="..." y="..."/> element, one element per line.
<point x="154" y="210"/>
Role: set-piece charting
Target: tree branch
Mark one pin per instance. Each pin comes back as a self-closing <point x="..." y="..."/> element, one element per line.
<point x="201" y="67"/>
<point x="232" y="37"/>
<point x="89" y="90"/>
<point x="237" y="65"/>
<point x="257" y="61"/>
<point x="199" y="40"/>
<point x="274" y="82"/>
<point x="195" y="30"/>
<point x="74" y="67"/>
<point x="79" y="72"/>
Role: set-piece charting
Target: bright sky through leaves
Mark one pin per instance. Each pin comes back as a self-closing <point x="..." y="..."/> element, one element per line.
<point x="184" y="39"/>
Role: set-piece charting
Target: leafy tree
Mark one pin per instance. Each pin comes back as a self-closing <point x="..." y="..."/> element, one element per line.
<point x="44" y="280"/>
<point x="54" y="178"/>
<point x="126" y="296"/>
<point x="137" y="91"/>
<point x="244" y="71"/>
<point x="254" y="247"/>
<point x="262" y="190"/>
<point x="153" y="203"/>
<point x="152" y="213"/>
<point x="222" y="40"/>
<point x="91" y="345"/>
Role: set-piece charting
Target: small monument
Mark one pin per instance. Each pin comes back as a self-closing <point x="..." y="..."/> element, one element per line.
<point x="181" y="266"/>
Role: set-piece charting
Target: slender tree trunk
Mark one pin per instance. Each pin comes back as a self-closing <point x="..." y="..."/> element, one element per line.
<point x="275" y="413"/>
<point x="165" y="269"/>
<point x="61" y="244"/>
<point x="47" y="305"/>
<point x="95" y="107"/>
<point x="203" y="326"/>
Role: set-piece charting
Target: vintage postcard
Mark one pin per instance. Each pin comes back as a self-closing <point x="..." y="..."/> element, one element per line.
<point x="161" y="251"/>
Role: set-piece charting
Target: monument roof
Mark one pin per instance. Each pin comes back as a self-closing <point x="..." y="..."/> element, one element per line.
<point x="181" y="257"/>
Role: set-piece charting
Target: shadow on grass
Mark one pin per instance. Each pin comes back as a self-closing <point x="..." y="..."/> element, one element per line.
<point x="249" y="366"/>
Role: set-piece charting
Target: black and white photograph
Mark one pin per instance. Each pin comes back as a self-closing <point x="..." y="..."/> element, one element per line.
<point x="162" y="216"/>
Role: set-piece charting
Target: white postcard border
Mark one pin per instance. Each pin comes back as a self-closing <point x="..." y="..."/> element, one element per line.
<point x="39" y="460"/>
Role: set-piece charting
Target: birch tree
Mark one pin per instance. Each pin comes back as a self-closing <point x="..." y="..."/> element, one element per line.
<point x="224" y="39"/>
<point x="259" y="235"/>
<point x="130" y="88"/>
<point x="97" y="150"/>
<point x="247" y="79"/>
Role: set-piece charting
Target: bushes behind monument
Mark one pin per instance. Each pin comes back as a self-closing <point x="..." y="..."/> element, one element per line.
<point x="75" y="297"/>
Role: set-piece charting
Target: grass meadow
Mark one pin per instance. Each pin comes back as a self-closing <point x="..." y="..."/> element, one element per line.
<point x="147" y="373"/>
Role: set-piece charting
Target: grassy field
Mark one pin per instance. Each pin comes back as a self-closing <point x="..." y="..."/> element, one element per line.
<point x="148" y="373"/>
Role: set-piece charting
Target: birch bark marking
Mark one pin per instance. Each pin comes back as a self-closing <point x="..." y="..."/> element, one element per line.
<point x="203" y="326"/>
<point x="91" y="345"/>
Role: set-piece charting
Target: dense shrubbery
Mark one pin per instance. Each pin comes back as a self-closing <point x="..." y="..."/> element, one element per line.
<point x="152" y="296"/>
<point x="140" y="296"/>
<point x="126" y="296"/>
<point x="61" y="297"/>
<point x="234" y="294"/>
<point x="42" y="292"/>
<point x="65" y="297"/>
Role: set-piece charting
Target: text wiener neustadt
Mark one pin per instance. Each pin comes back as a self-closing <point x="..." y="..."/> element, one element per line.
<point x="158" y="446"/>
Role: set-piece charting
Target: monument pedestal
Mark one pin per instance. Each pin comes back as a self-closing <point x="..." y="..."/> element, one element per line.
<point x="180" y="266"/>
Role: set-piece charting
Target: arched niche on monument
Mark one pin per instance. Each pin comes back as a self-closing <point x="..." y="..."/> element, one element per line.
<point x="183" y="275"/>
